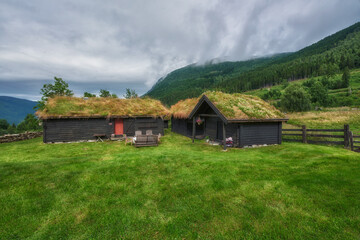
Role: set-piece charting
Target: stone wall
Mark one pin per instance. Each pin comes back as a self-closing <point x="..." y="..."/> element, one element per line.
<point x="19" y="137"/>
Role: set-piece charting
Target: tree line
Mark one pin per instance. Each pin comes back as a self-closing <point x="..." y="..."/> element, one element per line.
<point x="325" y="58"/>
<point x="310" y="94"/>
<point x="30" y="123"/>
<point x="61" y="88"/>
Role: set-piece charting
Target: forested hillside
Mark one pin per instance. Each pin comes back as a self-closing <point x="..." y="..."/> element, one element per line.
<point x="14" y="110"/>
<point x="324" y="58"/>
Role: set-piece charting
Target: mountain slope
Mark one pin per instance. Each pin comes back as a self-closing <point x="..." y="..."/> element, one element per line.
<point x="192" y="80"/>
<point x="14" y="110"/>
<point x="326" y="57"/>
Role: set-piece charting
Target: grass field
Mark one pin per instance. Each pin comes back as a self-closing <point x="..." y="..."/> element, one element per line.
<point x="178" y="190"/>
<point x="333" y="118"/>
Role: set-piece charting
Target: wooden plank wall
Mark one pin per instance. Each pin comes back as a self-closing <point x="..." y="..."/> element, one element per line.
<point x="179" y="126"/>
<point x="259" y="133"/>
<point x="154" y="124"/>
<point x="184" y="127"/>
<point x="211" y="127"/>
<point x="129" y="126"/>
<point x="67" y="130"/>
<point x="231" y="131"/>
<point x="242" y="133"/>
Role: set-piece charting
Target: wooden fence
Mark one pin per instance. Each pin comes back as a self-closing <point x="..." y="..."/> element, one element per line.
<point x="323" y="136"/>
<point x="354" y="142"/>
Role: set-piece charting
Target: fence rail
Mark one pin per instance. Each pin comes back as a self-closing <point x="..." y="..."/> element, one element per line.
<point x="349" y="140"/>
<point x="353" y="142"/>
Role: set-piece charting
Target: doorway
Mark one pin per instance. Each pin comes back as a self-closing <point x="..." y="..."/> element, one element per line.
<point x="119" y="126"/>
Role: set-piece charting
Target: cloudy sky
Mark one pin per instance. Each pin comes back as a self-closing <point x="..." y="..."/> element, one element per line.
<point x="118" y="44"/>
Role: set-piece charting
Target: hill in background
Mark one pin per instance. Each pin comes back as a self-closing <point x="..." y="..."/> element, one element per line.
<point x="14" y="110"/>
<point x="324" y="58"/>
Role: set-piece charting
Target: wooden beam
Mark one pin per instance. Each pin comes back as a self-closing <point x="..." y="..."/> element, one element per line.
<point x="44" y="130"/>
<point x="241" y="131"/>
<point x="257" y="120"/>
<point x="193" y="129"/>
<point x="238" y="135"/>
<point x="279" y="132"/>
<point x="224" y="135"/>
<point x="208" y="115"/>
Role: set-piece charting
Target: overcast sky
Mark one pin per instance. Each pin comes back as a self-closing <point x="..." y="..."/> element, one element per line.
<point x="117" y="44"/>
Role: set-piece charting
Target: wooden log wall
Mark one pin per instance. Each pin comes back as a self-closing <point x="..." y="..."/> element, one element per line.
<point x="82" y="129"/>
<point x="259" y="133"/>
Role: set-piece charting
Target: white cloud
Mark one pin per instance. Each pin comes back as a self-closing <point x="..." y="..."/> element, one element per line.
<point x="137" y="42"/>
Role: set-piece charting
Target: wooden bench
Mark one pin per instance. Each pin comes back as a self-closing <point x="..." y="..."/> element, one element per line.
<point x="146" y="140"/>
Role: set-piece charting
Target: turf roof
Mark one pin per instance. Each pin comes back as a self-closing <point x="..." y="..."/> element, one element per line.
<point x="72" y="107"/>
<point x="233" y="106"/>
<point x="183" y="108"/>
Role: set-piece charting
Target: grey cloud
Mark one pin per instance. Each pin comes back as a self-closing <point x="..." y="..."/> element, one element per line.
<point x="121" y="44"/>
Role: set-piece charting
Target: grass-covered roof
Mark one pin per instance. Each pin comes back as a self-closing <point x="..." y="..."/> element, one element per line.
<point x="183" y="108"/>
<point x="233" y="106"/>
<point x="72" y="107"/>
<point x="244" y="107"/>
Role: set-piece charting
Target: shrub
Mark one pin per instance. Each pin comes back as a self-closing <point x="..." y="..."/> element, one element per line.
<point x="295" y="99"/>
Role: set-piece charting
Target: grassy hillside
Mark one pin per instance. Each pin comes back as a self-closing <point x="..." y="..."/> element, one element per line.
<point x="14" y="110"/>
<point x="178" y="190"/>
<point x="334" y="117"/>
<point x="325" y="57"/>
<point x="341" y="96"/>
<point x="192" y="80"/>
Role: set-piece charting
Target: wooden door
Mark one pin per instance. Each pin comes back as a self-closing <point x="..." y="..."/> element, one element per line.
<point x="119" y="126"/>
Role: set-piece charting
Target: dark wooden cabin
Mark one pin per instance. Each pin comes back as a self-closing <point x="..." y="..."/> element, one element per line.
<point x="248" y="120"/>
<point x="180" y="121"/>
<point x="96" y="116"/>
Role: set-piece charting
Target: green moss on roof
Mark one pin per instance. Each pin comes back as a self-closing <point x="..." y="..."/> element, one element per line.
<point x="183" y="108"/>
<point x="244" y="107"/>
<point x="59" y="107"/>
<point x="232" y="106"/>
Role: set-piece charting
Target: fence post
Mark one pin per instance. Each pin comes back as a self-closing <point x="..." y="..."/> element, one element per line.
<point x="304" y="140"/>
<point x="351" y="141"/>
<point x="346" y="135"/>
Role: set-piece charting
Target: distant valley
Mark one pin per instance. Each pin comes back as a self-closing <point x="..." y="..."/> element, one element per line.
<point x="14" y="110"/>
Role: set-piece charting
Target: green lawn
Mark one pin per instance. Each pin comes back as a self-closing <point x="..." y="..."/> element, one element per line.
<point x="178" y="190"/>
